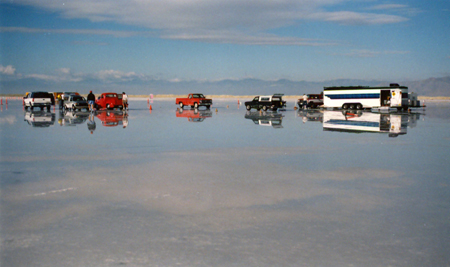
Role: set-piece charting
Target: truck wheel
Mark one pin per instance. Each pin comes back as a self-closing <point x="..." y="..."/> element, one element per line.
<point x="345" y="106"/>
<point x="195" y="105"/>
<point x="264" y="108"/>
<point x="108" y="106"/>
<point x="181" y="105"/>
<point x="352" y="106"/>
<point x="73" y="108"/>
<point x="248" y="107"/>
<point x="312" y="105"/>
<point x="359" y="106"/>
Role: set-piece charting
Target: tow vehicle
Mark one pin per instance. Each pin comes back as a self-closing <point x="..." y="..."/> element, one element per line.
<point x="194" y="100"/>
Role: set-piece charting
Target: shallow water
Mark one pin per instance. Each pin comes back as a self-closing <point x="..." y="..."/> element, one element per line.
<point x="225" y="187"/>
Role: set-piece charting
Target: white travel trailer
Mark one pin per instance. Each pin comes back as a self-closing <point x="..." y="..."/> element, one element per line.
<point x="359" y="97"/>
<point x="342" y="121"/>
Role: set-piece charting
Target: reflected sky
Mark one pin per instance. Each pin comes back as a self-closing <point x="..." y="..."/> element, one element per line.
<point x="224" y="187"/>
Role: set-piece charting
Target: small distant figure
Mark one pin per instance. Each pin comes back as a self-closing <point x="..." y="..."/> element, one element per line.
<point x="305" y="101"/>
<point x="125" y="101"/>
<point x="91" y="123"/>
<point x="388" y="102"/>
<point x="61" y="101"/>
<point x="91" y="101"/>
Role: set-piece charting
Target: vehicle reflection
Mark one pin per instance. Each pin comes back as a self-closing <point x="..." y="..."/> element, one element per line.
<point x="39" y="118"/>
<point x="72" y="117"/>
<point x="112" y="118"/>
<point x="310" y="115"/>
<point x="360" y="122"/>
<point x="273" y="119"/>
<point x="194" y="115"/>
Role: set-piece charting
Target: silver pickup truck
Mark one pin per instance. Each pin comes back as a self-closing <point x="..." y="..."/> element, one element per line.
<point x="38" y="99"/>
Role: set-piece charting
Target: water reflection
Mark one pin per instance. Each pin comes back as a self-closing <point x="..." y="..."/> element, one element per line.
<point x="273" y="119"/>
<point x="310" y="115"/>
<point x="112" y="118"/>
<point x="39" y="118"/>
<point x="194" y="115"/>
<point x="72" y="117"/>
<point x="361" y="121"/>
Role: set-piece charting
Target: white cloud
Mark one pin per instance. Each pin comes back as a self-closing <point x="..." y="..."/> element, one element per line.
<point x="371" y="53"/>
<point x="106" y="75"/>
<point x="387" y="6"/>
<point x="8" y="70"/>
<point x="223" y="21"/>
<point x="72" y="31"/>
<point x="353" y="18"/>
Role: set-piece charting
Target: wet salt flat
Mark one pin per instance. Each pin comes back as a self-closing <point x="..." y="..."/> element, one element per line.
<point x="163" y="187"/>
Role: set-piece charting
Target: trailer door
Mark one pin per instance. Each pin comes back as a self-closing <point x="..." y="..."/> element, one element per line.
<point x="384" y="95"/>
<point x="396" y="98"/>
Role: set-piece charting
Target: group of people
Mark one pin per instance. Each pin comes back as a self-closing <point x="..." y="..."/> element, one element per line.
<point x="91" y="101"/>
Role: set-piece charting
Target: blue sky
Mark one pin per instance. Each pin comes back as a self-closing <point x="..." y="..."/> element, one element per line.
<point x="186" y="40"/>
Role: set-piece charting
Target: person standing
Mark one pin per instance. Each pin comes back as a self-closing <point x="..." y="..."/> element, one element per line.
<point x="91" y="101"/>
<point x="305" y="101"/>
<point x="125" y="101"/>
<point x="61" y="101"/>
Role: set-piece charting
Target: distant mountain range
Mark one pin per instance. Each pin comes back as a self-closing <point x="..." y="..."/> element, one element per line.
<point x="249" y="86"/>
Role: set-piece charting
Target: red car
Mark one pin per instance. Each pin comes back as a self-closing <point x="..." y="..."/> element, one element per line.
<point x="109" y="101"/>
<point x="111" y="119"/>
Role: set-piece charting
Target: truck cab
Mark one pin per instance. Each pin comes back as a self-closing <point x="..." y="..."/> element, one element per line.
<point x="194" y="100"/>
<point x="273" y="102"/>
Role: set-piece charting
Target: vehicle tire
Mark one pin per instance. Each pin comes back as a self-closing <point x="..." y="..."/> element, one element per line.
<point x="195" y="105"/>
<point x="359" y="106"/>
<point x="73" y="108"/>
<point x="264" y="108"/>
<point x="48" y="108"/>
<point x="312" y="105"/>
<point x="345" y="106"/>
<point x="248" y="107"/>
<point x="352" y="106"/>
<point x="108" y="106"/>
<point x="181" y="105"/>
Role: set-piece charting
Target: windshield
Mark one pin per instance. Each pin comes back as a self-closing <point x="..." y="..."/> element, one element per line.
<point x="198" y="95"/>
<point x="40" y="95"/>
<point x="110" y="95"/>
<point x="77" y="98"/>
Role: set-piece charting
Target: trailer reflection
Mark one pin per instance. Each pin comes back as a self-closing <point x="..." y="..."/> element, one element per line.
<point x="273" y="119"/>
<point x="193" y="115"/>
<point x="360" y="122"/>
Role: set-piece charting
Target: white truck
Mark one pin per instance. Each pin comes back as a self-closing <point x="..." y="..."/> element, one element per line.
<point x="38" y="99"/>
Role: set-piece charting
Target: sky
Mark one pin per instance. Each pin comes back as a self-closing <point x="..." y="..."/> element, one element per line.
<point x="110" y="41"/>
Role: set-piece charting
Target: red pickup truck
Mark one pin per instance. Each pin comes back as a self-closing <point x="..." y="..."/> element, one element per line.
<point x="194" y="100"/>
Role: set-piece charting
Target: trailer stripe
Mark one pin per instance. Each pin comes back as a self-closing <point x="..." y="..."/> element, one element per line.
<point x="353" y="96"/>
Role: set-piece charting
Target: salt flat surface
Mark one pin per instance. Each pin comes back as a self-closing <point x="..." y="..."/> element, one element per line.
<point x="224" y="187"/>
